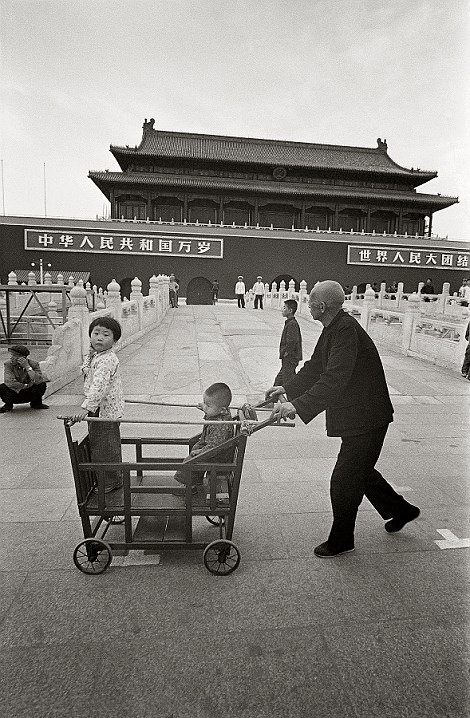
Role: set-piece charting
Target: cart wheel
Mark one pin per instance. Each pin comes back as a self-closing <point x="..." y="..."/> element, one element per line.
<point x="221" y="557"/>
<point x="115" y="519"/>
<point x="215" y="520"/>
<point x="92" y="556"/>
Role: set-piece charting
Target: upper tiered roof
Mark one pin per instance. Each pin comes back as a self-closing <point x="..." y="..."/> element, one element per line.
<point x="162" y="144"/>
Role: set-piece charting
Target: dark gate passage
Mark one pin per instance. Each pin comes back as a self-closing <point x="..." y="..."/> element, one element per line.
<point x="199" y="291"/>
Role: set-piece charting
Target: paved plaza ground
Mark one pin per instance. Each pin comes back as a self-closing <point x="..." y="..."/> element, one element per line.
<point x="379" y="633"/>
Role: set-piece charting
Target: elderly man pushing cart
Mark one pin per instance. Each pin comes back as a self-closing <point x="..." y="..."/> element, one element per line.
<point x="345" y="378"/>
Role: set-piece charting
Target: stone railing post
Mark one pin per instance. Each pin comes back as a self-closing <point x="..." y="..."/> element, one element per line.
<point x="282" y="291"/>
<point x="31" y="279"/>
<point x="60" y="280"/>
<point x="113" y="299"/>
<point x="78" y="310"/>
<point x="12" y="278"/>
<point x="100" y="303"/>
<point x="48" y="279"/>
<point x="410" y="318"/>
<point x="90" y="297"/>
<point x="354" y="294"/>
<point x="153" y="294"/>
<point x="164" y="293"/>
<point x="291" y="290"/>
<point x="302" y="295"/>
<point x="138" y="297"/>
<point x="442" y="298"/>
<point x="399" y="294"/>
<point x="382" y="293"/>
<point x="367" y="306"/>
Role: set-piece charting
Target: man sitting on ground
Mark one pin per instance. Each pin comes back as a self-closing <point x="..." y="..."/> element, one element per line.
<point x="23" y="380"/>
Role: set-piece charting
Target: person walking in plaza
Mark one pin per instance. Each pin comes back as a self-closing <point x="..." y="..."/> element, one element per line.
<point x="466" y="361"/>
<point x="240" y="292"/>
<point x="103" y="397"/>
<point x="258" y="291"/>
<point x="215" y="291"/>
<point x="173" y="287"/>
<point x="426" y="289"/>
<point x="290" y="347"/>
<point x="23" y="380"/>
<point x="345" y="378"/>
<point x="464" y="292"/>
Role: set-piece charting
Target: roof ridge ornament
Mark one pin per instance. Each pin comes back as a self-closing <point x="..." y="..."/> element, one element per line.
<point x="147" y="127"/>
<point x="382" y="144"/>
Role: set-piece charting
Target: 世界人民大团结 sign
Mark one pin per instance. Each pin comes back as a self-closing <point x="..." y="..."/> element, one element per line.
<point x="381" y="256"/>
<point x="121" y="243"/>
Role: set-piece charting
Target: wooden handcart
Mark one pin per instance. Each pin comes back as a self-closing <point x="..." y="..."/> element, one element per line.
<point x="152" y="512"/>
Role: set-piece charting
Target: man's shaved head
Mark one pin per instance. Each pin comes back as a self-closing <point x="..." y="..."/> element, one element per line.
<point x="329" y="292"/>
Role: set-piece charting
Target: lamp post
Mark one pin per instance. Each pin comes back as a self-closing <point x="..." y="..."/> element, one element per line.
<point x="41" y="270"/>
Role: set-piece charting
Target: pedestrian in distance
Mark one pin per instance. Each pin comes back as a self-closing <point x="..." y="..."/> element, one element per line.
<point x="240" y="292"/>
<point x="258" y="291"/>
<point x="290" y="347"/>
<point x="103" y="397"/>
<point x="23" y="380"/>
<point x="215" y="291"/>
<point x="427" y="288"/>
<point x="345" y="378"/>
<point x="173" y="287"/>
<point x="466" y="361"/>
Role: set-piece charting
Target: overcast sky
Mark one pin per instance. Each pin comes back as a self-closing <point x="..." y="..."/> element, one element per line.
<point x="77" y="76"/>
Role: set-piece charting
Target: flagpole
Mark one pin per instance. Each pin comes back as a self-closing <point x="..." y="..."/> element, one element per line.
<point x="45" y="208"/>
<point x="3" y="193"/>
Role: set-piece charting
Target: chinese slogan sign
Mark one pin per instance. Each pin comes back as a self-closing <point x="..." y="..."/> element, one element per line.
<point x="120" y="243"/>
<point x="409" y="257"/>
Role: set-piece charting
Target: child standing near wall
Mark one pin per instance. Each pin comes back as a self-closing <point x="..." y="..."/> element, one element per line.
<point x="103" y="397"/>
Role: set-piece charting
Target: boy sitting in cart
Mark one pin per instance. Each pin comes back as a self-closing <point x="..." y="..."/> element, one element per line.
<point x="215" y="405"/>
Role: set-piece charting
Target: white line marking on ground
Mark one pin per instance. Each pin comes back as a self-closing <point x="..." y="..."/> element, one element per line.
<point x="450" y="540"/>
<point x="136" y="558"/>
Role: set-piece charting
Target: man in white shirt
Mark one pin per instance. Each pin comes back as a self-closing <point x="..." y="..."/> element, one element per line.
<point x="240" y="292"/>
<point x="258" y="291"/>
<point x="466" y="296"/>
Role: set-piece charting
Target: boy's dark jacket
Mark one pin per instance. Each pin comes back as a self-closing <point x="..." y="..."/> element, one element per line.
<point x="345" y="377"/>
<point x="291" y="340"/>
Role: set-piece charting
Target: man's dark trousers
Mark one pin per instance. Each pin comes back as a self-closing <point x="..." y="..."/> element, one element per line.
<point x="31" y="394"/>
<point x="354" y="476"/>
<point x="287" y="372"/>
<point x="258" y="301"/>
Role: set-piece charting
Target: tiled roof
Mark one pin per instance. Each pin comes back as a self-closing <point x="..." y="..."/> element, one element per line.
<point x="181" y="145"/>
<point x="266" y="187"/>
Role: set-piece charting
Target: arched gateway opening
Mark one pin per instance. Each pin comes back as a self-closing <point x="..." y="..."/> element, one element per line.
<point x="199" y="291"/>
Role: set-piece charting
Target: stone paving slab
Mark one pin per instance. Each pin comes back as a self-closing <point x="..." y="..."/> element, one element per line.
<point x="379" y="632"/>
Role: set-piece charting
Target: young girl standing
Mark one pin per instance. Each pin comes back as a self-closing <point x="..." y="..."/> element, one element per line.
<point x="103" y="397"/>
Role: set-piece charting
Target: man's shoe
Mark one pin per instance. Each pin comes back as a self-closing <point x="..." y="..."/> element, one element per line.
<point x="40" y="406"/>
<point x="397" y="524"/>
<point x="324" y="551"/>
<point x="6" y="407"/>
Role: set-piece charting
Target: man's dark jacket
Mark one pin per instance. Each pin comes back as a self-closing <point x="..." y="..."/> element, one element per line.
<point x="291" y="340"/>
<point x="345" y="377"/>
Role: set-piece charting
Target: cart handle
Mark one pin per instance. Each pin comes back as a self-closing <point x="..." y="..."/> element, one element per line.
<point x="261" y="405"/>
<point x="258" y="424"/>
